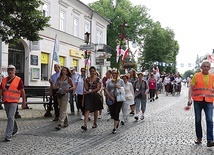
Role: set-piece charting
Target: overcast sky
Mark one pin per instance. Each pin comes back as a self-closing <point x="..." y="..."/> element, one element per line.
<point x="191" y="20"/>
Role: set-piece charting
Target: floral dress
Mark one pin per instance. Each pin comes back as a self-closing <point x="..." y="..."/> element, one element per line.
<point x="92" y="101"/>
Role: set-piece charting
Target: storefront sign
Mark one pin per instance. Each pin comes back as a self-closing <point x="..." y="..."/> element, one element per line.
<point x="44" y="58"/>
<point x="76" y="53"/>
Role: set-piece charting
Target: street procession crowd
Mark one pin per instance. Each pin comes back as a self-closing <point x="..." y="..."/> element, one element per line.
<point x="119" y="92"/>
<point x="127" y="93"/>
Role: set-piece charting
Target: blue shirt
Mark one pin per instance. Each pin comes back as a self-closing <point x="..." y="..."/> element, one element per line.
<point x="79" y="85"/>
<point x="54" y="77"/>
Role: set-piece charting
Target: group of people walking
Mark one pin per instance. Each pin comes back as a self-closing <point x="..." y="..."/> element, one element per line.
<point x="92" y="92"/>
<point x="126" y="92"/>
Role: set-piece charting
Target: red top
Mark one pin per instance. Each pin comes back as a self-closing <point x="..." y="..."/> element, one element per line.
<point x="152" y="83"/>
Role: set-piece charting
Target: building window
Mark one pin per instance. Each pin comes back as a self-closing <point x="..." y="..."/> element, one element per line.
<point x="99" y="36"/>
<point x="46" y="9"/>
<point x="62" y="21"/>
<point x="87" y="28"/>
<point x="76" y="27"/>
<point x="44" y="66"/>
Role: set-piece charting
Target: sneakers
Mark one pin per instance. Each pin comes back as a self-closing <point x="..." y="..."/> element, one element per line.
<point x="14" y="133"/>
<point x="7" y="139"/>
<point x="142" y="117"/>
<point x="82" y="117"/>
<point x="100" y="117"/>
<point x="114" y="131"/>
<point x="198" y="141"/>
<point x="84" y="128"/>
<point x="210" y="144"/>
<point x="156" y="97"/>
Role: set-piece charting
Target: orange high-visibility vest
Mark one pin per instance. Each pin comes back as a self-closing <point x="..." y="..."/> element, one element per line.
<point x="12" y="94"/>
<point x="200" y="91"/>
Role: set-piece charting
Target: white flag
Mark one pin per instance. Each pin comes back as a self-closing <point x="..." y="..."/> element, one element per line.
<point x="56" y="50"/>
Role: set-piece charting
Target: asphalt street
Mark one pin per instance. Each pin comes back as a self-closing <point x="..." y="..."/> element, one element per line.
<point x="166" y="130"/>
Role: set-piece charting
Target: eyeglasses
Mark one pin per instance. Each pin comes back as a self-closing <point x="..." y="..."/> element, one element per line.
<point x="114" y="73"/>
<point x="82" y="71"/>
<point x="206" y="66"/>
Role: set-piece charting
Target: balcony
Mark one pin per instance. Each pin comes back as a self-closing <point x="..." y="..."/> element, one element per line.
<point x="103" y="48"/>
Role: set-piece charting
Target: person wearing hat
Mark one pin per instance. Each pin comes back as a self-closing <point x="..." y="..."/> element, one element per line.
<point x="141" y="89"/>
<point x="11" y="89"/>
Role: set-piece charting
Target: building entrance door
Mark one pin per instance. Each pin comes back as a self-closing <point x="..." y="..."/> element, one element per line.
<point x="16" y="55"/>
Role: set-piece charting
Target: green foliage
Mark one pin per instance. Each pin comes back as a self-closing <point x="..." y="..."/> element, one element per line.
<point x="136" y="18"/>
<point x="157" y="43"/>
<point x="188" y="73"/>
<point x="159" y="46"/>
<point x="21" y="19"/>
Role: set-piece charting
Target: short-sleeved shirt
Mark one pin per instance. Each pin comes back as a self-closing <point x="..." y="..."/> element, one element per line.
<point x="54" y="77"/>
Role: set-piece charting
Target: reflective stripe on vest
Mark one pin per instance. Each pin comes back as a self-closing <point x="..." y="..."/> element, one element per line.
<point x="200" y="92"/>
<point x="12" y="94"/>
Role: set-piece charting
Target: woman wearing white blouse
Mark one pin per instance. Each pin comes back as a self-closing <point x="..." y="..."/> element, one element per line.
<point x="166" y="82"/>
<point x="129" y="95"/>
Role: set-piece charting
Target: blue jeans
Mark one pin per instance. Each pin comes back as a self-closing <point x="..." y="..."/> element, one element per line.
<point x="140" y="103"/>
<point x="208" y="110"/>
<point x="71" y="100"/>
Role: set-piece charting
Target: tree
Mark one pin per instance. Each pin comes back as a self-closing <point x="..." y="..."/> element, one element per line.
<point x="21" y="19"/>
<point x="188" y="73"/>
<point x="136" y="18"/>
<point x="159" y="46"/>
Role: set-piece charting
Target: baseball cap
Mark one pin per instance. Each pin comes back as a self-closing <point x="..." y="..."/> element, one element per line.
<point x="11" y="67"/>
<point x="72" y="68"/>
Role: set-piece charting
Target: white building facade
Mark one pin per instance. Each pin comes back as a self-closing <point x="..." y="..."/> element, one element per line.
<point x="70" y="20"/>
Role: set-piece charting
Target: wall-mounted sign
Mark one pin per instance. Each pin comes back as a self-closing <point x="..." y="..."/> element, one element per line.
<point x="35" y="45"/>
<point x="99" y="61"/>
<point x="76" y="53"/>
<point x="34" y="60"/>
<point x="35" y="73"/>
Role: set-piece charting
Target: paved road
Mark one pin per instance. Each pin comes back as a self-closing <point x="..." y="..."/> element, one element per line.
<point x="167" y="130"/>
